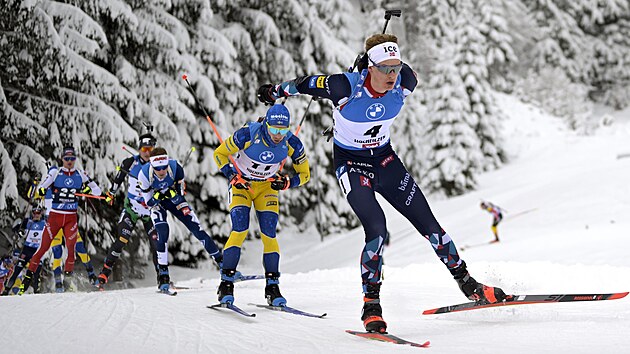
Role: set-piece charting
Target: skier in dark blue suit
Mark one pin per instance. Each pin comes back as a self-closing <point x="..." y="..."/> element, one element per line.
<point x="366" y="105"/>
<point x="163" y="187"/>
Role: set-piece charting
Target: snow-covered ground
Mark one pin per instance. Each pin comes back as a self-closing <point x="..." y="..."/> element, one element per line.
<point x="572" y="238"/>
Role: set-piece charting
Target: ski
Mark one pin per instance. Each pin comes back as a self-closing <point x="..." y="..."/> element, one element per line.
<point x="249" y="277"/>
<point x="167" y="292"/>
<point x="465" y="247"/>
<point x="177" y="287"/>
<point x="526" y="299"/>
<point x="231" y="307"/>
<point x="389" y="338"/>
<point x="288" y="309"/>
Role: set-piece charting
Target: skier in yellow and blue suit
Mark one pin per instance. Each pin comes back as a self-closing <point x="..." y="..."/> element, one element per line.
<point x="260" y="149"/>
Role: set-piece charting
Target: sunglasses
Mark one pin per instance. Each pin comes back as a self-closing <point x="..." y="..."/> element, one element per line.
<point x="388" y="69"/>
<point x="160" y="168"/>
<point x="69" y="158"/>
<point x="276" y="130"/>
<point x="146" y="148"/>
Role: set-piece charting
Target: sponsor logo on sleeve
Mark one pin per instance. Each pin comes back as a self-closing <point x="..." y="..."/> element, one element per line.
<point x="321" y="82"/>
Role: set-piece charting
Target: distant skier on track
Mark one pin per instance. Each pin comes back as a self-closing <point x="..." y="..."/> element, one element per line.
<point x="367" y="104"/>
<point x="497" y="216"/>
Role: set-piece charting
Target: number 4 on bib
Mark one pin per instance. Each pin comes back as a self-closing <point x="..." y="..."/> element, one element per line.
<point x="373" y="132"/>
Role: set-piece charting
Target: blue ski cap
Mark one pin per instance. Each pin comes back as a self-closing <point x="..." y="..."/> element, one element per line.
<point x="278" y="116"/>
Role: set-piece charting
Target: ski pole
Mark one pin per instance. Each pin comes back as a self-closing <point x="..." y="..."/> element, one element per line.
<point x="90" y="196"/>
<point x="214" y="128"/>
<point x="192" y="149"/>
<point x="510" y="217"/>
<point x="297" y="131"/>
<point x="192" y="90"/>
<point x="313" y="98"/>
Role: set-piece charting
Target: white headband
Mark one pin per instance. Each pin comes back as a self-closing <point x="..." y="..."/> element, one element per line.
<point x="382" y="52"/>
<point x="159" y="160"/>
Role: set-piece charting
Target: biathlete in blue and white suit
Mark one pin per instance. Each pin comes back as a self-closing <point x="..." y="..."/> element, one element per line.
<point x="366" y="105"/>
<point x="260" y="149"/>
<point x="34" y="227"/>
<point x="163" y="187"/>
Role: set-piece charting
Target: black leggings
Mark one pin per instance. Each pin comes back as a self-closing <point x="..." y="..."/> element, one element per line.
<point x="125" y="227"/>
<point x="363" y="172"/>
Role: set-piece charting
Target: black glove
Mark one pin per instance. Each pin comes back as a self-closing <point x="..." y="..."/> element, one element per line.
<point x="41" y="192"/>
<point x="239" y="182"/>
<point x="264" y="94"/>
<point x="280" y="183"/>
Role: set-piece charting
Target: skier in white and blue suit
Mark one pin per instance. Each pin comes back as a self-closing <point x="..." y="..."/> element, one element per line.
<point x="163" y="187"/>
<point x="366" y="105"/>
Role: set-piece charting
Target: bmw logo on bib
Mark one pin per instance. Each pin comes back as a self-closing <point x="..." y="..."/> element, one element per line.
<point x="375" y="111"/>
<point x="67" y="182"/>
<point x="266" y="156"/>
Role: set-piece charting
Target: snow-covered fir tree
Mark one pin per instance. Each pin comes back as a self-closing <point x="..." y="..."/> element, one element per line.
<point x="476" y="39"/>
<point x="455" y="153"/>
<point x="589" y="41"/>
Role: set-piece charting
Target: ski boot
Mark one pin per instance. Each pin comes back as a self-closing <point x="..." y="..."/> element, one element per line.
<point x="272" y="290"/>
<point x="164" y="280"/>
<point x="59" y="288"/>
<point x="372" y="313"/>
<point x="476" y="291"/>
<point x="91" y="275"/>
<point x="226" y="288"/>
<point x="100" y="281"/>
<point x="69" y="283"/>
<point x="26" y="282"/>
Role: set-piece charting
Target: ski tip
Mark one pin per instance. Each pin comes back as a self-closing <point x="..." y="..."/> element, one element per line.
<point x="619" y="295"/>
<point x="429" y="312"/>
<point x="185" y="77"/>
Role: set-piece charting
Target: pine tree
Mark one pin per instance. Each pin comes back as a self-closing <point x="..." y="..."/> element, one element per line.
<point x="478" y="53"/>
<point x="474" y="40"/>
<point x="561" y="43"/>
<point x="455" y="148"/>
<point x="493" y="24"/>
